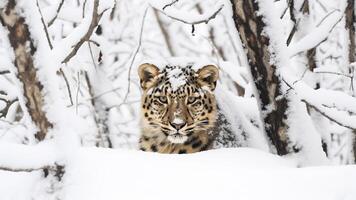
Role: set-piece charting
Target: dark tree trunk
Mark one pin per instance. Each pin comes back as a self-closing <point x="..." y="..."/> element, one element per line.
<point x="250" y="27"/>
<point x="24" y="49"/>
<point x="350" y="20"/>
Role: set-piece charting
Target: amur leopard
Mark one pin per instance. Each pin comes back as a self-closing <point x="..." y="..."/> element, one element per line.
<point x="178" y="108"/>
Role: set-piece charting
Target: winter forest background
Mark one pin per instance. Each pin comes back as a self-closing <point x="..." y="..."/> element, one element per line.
<point x="68" y="83"/>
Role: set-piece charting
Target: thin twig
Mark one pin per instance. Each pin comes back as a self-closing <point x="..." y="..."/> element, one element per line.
<point x="327" y="116"/>
<point x="68" y="86"/>
<point x="57" y="13"/>
<point x="84" y="5"/>
<point x="13" y="169"/>
<point x="77" y="93"/>
<point x="293" y="31"/>
<point x="4" y="72"/>
<point x="91" y="55"/>
<point x="134" y="56"/>
<point x="319" y="110"/>
<point x="326" y="16"/>
<point x="170" y="4"/>
<point x="44" y="26"/>
<point x="104" y="93"/>
<point x="335" y="73"/>
<point x="193" y="22"/>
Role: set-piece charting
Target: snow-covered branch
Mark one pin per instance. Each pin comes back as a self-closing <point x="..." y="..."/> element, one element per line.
<point x="26" y="158"/>
<point x="319" y="34"/>
<point x="335" y="105"/>
<point x="71" y="44"/>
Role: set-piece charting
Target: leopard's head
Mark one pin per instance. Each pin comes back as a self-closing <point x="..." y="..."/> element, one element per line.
<point x="177" y="102"/>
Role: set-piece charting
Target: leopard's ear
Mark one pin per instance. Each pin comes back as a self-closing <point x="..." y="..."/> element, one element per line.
<point x="207" y="76"/>
<point x="147" y="73"/>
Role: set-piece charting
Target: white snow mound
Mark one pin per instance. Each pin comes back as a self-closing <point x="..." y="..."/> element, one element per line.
<point x="240" y="173"/>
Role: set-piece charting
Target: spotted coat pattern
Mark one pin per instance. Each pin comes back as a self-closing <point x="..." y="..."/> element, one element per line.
<point x="178" y="109"/>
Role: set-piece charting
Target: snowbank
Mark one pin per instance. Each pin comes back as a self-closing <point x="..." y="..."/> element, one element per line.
<point x="219" y="174"/>
<point x="241" y="173"/>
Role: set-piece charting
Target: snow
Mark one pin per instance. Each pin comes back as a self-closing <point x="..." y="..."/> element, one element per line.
<point x="219" y="174"/>
<point x="24" y="182"/>
<point x="239" y="173"/>
<point x="240" y="112"/>
<point x="316" y="36"/>
<point x="176" y="80"/>
<point x="18" y="156"/>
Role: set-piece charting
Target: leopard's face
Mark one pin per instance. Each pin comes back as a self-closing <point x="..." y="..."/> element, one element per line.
<point x="178" y="103"/>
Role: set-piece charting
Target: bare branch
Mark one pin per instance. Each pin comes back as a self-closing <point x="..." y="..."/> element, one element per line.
<point x="57" y="12"/>
<point x="292" y="32"/>
<point x="4" y="72"/>
<point x="77" y="93"/>
<point x="170" y="4"/>
<point x="326" y="16"/>
<point x="84" y="5"/>
<point x="335" y="73"/>
<point x="91" y="55"/>
<point x="12" y="169"/>
<point x="94" y="23"/>
<point x="44" y="26"/>
<point x="68" y="86"/>
<point x="134" y="56"/>
<point x="193" y="22"/>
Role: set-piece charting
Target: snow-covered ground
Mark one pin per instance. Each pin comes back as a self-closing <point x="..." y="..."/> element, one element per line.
<point x="242" y="173"/>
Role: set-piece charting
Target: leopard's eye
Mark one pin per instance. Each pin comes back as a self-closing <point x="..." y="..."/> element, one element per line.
<point x="192" y="100"/>
<point x="162" y="99"/>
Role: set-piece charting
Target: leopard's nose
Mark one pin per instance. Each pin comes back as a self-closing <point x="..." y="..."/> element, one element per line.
<point x="178" y="123"/>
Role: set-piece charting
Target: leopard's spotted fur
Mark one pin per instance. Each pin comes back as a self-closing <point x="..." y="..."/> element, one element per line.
<point x="178" y="108"/>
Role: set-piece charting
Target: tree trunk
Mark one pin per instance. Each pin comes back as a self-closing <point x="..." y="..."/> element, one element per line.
<point x="350" y="20"/>
<point x="24" y="49"/>
<point x="250" y="27"/>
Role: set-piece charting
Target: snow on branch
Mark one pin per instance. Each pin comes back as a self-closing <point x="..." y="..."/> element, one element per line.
<point x="334" y="105"/>
<point x="341" y="118"/>
<point x="26" y="158"/>
<point x="319" y="34"/>
<point x="187" y="17"/>
<point x="71" y="44"/>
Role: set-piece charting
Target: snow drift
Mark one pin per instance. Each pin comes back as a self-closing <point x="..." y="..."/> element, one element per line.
<point x="240" y="173"/>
